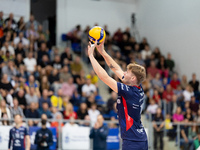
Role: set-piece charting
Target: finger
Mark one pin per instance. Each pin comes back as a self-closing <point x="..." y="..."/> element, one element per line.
<point x="95" y="44"/>
<point x="89" y="44"/>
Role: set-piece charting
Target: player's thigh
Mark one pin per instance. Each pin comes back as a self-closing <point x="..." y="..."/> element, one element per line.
<point x="131" y="145"/>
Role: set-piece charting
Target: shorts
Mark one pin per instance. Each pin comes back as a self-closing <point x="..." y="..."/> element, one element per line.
<point x="134" y="145"/>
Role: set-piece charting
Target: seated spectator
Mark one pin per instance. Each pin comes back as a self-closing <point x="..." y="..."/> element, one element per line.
<point x="90" y="100"/>
<point x="125" y="45"/>
<point x="71" y="123"/>
<point x="57" y="100"/>
<point x="5" y="84"/>
<point x="157" y="53"/>
<point x="66" y="55"/>
<point x="146" y="52"/>
<point x="8" y="48"/>
<point x="185" y="141"/>
<point x="80" y="81"/>
<point x="21" y="26"/>
<point x="117" y="37"/>
<point x="167" y="97"/>
<point x="76" y="66"/>
<point x="44" y="117"/>
<point x="8" y="29"/>
<point x="57" y="63"/>
<point x="194" y="106"/>
<point x="143" y="43"/>
<point x="188" y="115"/>
<point x="69" y="112"/>
<point x="7" y="57"/>
<point x="158" y="125"/>
<point x="45" y="110"/>
<point x="32" y="32"/>
<point x="139" y="60"/>
<point x="32" y="21"/>
<point x="156" y="97"/>
<point x="111" y="101"/>
<point x="54" y="76"/>
<point x="151" y="109"/>
<point x="174" y="82"/>
<point x="64" y="74"/>
<point x="113" y="112"/>
<point x="88" y="88"/>
<point x="31" y="83"/>
<point x="170" y="62"/>
<point x="43" y="50"/>
<point x="19" y="60"/>
<point x="4" y="113"/>
<point x="30" y="63"/>
<point x="7" y="97"/>
<point x="55" y="112"/>
<point x="55" y="124"/>
<point x="93" y="77"/>
<point x="10" y="70"/>
<point x="68" y="88"/>
<point x="174" y="104"/>
<point x="20" y="96"/>
<point x="157" y="83"/>
<point x="44" y="84"/>
<point x="12" y="20"/>
<point x="45" y="61"/>
<point x="45" y="98"/>
<point x="32" y="97"/>
<point x="178" y="116"/>
<point x="194" y="83"/>
<point x="188" y="93"/>
<point x="16" y="109"/>
<point x="75" y="34"/>
<point x="32" y="112"/>
<point x="82" y="111"/>
<point x="21" y="39"/>
<point x="93" y="113"/>
<point x="184" y="82"/>
<point x="152" y="70"/>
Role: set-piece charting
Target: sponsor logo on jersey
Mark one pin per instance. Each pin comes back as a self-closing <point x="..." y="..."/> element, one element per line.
<point x="140" y="130"/>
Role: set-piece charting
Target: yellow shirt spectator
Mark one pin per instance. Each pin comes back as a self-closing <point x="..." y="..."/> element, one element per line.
<point x="94" y="79"/>
<point x="57" y="101"/>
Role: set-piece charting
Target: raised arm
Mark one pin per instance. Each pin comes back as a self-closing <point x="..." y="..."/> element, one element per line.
<point x="110" y="62"/>
<point x="101" y="73"/>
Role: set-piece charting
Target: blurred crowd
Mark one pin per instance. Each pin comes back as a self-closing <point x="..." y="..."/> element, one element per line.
<point x="37" y="78"/>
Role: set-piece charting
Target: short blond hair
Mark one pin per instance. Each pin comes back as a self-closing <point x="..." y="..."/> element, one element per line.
<point x="139" y="71"/>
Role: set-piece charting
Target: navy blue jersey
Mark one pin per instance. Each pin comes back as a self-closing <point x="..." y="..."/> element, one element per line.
<point x="129" y="104"/>
<point x="17" y="138"/>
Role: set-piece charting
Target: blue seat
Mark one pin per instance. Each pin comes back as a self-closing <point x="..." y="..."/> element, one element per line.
<point x="64" y="37"/>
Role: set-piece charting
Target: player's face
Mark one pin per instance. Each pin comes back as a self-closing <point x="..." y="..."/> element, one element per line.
<point x="128" y="76"/>
<point x="18" y="119"/>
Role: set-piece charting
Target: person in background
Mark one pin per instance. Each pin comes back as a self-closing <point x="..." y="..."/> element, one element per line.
<point x="82" y="111"/>
<point x="32" y="112"/>
<point x="93" y="77"/>
<point x="151" y="109"/>
<point x="45" y="98"/>
<point x="88" y="88"/>
<point x="93" y="113"/>
<point x="184" y="82"/>
<point x="99" y="134"/>
<point x="197" y="141"/>
<point x="111" y="101"/>
<point x="19" y="136"/>
<point x="44" y="136"/>
<point x="16" y="109"/>
<point x="76" y="66"/>
<point x="170" y="62"/>
<point x="194" y="106"/>
<point x="188" y="93"/>
<point x="44" y="117"/>
<point x="4" y="112"/>
<point x="45" y="110"/>
<point x="195" y="84"/>
<point x="158" y="124"/>
<point x="69" y="112"/>
<point x="178" y="116"/>
<point x="57" y="100"/>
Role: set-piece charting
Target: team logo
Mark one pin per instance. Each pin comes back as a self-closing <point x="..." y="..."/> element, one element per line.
<point x="118" y="101"/>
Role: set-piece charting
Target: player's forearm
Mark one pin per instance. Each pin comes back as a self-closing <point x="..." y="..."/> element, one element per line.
<point x="28" y="145"/>
<point x="101" y="73"/>
<point x="112" y="64"/>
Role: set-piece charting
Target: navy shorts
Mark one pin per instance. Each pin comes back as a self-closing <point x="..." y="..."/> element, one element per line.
<point x="134" y="145"/>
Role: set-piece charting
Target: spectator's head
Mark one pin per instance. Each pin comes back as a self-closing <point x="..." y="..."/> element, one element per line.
<point x="146" y="47"/>
<point x="2" y="103"/>
<point x="156" y="92"/>
<point x="88" y="81"/>
<point x="20" y="93"/>
<point x="135" y="74"/>
<point x="178" y="110"/>
<point x="87" y="118"/>
<point x="158" y="76"/>
<point x="5" y="78"/>
<point x="57" y="59"/>
<point x="194" y="77"/>
<point x="174" y="98"/>
<point x="43" y="46"/>
<point x="158" y="111"/>
<point x="168" y="88"/>
<point x="45" y="106"/>
<point x="33" y="106"/>
<point x="137" y="48"/>
<point x="175" y="77"/>
<point x="188" y="88"/>
<point x="78" y="27"/>
<point x="15" y="102"/>
<point x="83" y="107"/>
<point x="188" y="111"/>
<point x="152" y="64"/>
<point x="67" y="50"/>
<point x="40" y="28"/>
<point x="18" y="119"/>
<point x="32" y="90"/>
<point x="100" y="120"/>
<point x="193" y="99"/>
<point x="30" y="55"/>
<point x="93" y="106"/>
<point x="45" y="93"/>
<point x="60" y="93"/>
<point x="144" y="40"/>
<point x="44" y="80"/>
<point x="59" y="116"/>
<point x="187" y="105"/>
<point x="32" y="18"/>
<point x="184" y="78"/>
<point x="125" y="37"/>
<point x="30" y="123"/>
<point x="69" y="108"/>
<point x="45" y="58"/>
<point x="20" y="46"/>
<point x="77" y="60"/>
<point x="54" y="110"/>
<point x="10" y="63"/>
<point x="44" y="120"/>
<point x="70" y="80"/>
<point x="21" y="35"/>
<point x="92" y="73"/>
<point x="65" y="69"/>
<point x="114" y="95"/>
<point x="169" y="56"/>
<point x="55" y="72"/>
<point x="152" y="101"/>
<point x="11" y="16"/>
<point x="1" y="14"/>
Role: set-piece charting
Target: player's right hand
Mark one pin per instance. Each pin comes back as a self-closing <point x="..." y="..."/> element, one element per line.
<point x="100" y="47"/>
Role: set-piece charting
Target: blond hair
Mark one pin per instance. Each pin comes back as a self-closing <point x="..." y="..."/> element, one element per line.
<point x="139" y="71"/>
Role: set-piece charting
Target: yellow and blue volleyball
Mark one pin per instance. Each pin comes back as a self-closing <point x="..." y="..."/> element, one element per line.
<point x="97" y="33"/>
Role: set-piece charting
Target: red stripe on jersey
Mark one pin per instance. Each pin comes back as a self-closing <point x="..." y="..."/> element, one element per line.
<point x="136" y="86"/>
<point x="129" y="120"/>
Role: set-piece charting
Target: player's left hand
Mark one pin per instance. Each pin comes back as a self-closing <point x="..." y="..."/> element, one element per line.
<point x="91" y="48"/>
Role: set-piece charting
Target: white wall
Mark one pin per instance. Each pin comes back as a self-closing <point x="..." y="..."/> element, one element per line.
<point x="87" y="12"/>
<point x="174" y="26"/>
<point x="17" y="7"/>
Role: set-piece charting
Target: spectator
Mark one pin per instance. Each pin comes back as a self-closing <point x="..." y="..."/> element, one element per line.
<point x="21" y="25"/>
<point x="178" y="116"/>
<point x="167" y="97"/>
<point x="69" y="112"/>
<point x="71" y="123"/>
<point x="88" y="89"/>
<point x="43" y="50"/>
<point x="54" y="76"/>
<point x="194" y="106"/>
<point x="90" y="100"/>
<point x="99" y="134"/>
<point x="188" y="93"/>
<point x="82" y="111"/>
<point x="45" y="110"/>
<point x="32" y="97"/>
<point x="93" y="113"/>
<point x="156" y="97"/>
<point x="113" y="112"/>
<point x="188" y="115"/>
<point x="117" y="37"/>
<point x="152" y="70"/>
<point x="10" y="70"/>
<point x="32" y="112"/>
<point x="125" y="45"/>
<point x="197" y="141"/>
<point x="8" y="48"/>
<point x="19" y="61"/>
<point x="151" y="109"/>
<point x="44" y="136"/>
<point x="143" y="43"/>
<point x="157" y="83"/>
<point x="45" y="98"/>
<point x="197" y="117"/>
<point x="4" y="113"/>
<point x="93" y="77"/>
<point x="68" y="88"/>
<point x="5" y="84"/>
<point x="170" y="63"/>
<point x="65" y="75"/>
<point x="21" y="39"/>
<point x="7" y="97"/>
<point x="194" y="83"/>
<point x="44" y="117"/>
<point x="76" y="66"/>
<point x="16" y="109"/>
<point x="146" y="52"/>
<point x="30" y="63"/>
<point x="157" y="53"/>
<point x="66" y="55"/>
<point x="81" y="80"/>
<point x="20" y="96"/>
<point x="174" y="82"/>
<point x="75" y="34"/>
<point x="8" y="29"/>
<point x="57" y="100"/>
<point x="57" y="125"/>
<point x="57" y="63"/>
<point x="158" y="124"/>
<point x="32" y="32"/>
<point x="54" y="112"/>
<point x="184" y="82"/>
<point x="162" y="66"/>
<point x="111" y="101"/>
<point x="174" y="104"/>
<point x="12" y="20"/>
<point x="32" y="21"/>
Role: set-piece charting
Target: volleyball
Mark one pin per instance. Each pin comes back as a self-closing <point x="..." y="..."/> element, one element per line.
<point x="97" y="33"/>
